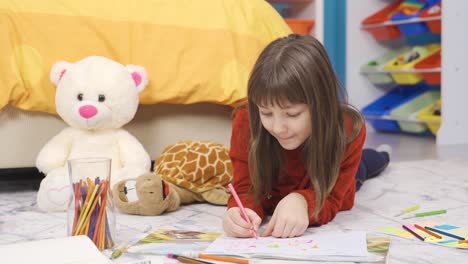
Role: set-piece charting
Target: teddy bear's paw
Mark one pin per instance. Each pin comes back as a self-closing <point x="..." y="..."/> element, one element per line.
<point x="216" y="196"/>
<point x="127" y="191"/>
<point x="53" y="196"/>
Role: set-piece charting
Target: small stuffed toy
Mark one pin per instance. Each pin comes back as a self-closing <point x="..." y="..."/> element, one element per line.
<point x="185" y="172"/>
<point x="95" y="97"/>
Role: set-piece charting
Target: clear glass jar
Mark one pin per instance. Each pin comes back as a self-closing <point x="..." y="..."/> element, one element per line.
<point x="91" y="211"/>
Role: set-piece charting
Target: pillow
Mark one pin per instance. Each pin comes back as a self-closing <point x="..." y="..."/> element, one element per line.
<point x="194" y="51"/>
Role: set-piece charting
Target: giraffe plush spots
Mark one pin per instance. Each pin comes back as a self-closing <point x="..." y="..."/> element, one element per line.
<point x="185" y="172"/>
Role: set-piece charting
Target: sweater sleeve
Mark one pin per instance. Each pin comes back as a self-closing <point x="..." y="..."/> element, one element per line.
<point x="239" y="157"/>
<point x="342" y="195"/>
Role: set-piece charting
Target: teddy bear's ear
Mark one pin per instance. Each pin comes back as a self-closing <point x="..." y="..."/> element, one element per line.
<point x="139" y="76"/>
<point x="58" y="70"/>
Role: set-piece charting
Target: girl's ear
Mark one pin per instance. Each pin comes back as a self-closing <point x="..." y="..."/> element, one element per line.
<point x="139" y="76"/>
<point x="58" y="70"/>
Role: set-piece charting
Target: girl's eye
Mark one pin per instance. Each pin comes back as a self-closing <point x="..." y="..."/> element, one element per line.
<point x="293" y="114"/>
<point x="265" y="114"/>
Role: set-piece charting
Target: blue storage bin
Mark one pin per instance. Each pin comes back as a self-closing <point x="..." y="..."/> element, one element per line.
<point x="411" y="29"/>
<point x="423" y="39"/>
<point x="383" y="106"/>
<point x="282" y="9"/>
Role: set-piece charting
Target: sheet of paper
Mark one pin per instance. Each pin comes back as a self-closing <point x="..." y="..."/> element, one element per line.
<point x="66" y="250"/>
<point x="338" y="244"/>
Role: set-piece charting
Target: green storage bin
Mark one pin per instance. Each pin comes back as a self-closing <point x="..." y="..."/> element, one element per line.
<point x="410" y="110"/>
<point x="373" y="69"/>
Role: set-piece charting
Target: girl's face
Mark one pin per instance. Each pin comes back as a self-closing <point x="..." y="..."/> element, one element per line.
<point x="289" y="124"/>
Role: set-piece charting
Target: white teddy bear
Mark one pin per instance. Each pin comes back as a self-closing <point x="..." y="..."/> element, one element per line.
<point x="95" y="97"/>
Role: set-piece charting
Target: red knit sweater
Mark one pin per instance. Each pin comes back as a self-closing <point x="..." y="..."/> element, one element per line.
<point x="295" y="179"/>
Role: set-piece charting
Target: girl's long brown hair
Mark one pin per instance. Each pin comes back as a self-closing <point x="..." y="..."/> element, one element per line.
<point x="297" y="69"/>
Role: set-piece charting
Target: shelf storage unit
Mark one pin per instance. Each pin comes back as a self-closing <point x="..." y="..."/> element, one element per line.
<point x="361" y="47"/>
<point x="401" y="41"/>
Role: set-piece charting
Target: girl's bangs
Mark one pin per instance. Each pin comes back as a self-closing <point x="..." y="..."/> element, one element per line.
<point x="277" y="91"/>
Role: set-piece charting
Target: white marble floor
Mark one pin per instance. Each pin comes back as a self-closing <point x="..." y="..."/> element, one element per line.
<point x="407" y="147"/>
<point x="430" y="181"/>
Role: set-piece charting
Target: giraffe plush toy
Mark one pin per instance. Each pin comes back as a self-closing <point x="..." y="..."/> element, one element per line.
<point x="185" y="172"/>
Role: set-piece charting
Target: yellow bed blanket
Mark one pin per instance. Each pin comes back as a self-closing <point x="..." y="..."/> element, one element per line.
<point x="194" y="50"/>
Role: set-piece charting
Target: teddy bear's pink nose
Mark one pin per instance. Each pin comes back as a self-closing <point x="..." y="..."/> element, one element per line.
<point x="88" y="111"/>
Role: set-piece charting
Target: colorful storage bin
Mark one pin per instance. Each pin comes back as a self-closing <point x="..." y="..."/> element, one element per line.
<point x="373" y="69"/>
<point x="378" y="112"/>
<point x="393" y="21"/>
<point x="431" y="12"/>
<point x="409" y="9"/>
<point x="410" y="109"/>
<point x="382" y="32"/>
<point x="432" y="62"/>
<point x="432" y="116"/>
<point x="407" y="61"/>
<point x="300" y="26"/>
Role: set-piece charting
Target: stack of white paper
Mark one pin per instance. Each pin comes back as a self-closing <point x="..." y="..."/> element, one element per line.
<point x="66" y="250"/>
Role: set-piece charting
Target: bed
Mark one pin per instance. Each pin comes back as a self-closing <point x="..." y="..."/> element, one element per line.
<point x="198" y="55"/>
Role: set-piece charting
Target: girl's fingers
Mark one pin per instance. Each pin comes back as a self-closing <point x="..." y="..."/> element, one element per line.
<point x="236" y="230"/>
<point x="270" y="226"/>
<point x="236" y="216"/>
<point x="279" y="228"/>
<point x="268" y="230"/>
<point x="298" y="230"/>
<point x="254" y="218"/>
<point x="288" y="229"/>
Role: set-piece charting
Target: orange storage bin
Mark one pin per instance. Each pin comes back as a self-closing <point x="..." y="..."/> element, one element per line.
<point x="431" y="62"/>
<point x="384" y="15"/>
<point x="434" y="11"/>
<point x="300" y="26"/>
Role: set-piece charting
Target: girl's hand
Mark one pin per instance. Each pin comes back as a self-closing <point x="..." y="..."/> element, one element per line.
<point x="234" y="224"/>
<point x="290" y="218"/>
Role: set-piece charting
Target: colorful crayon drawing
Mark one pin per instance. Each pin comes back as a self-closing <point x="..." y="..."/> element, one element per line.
<point x="174" y="235"/>
<point x="307" y="247"/>
<point x="378" y="244"/>
<point x="172" y="241"/>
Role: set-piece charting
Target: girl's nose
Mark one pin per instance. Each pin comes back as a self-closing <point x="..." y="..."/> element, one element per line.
<point x="88" y="111"/>
<point x="279" y="127"/>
